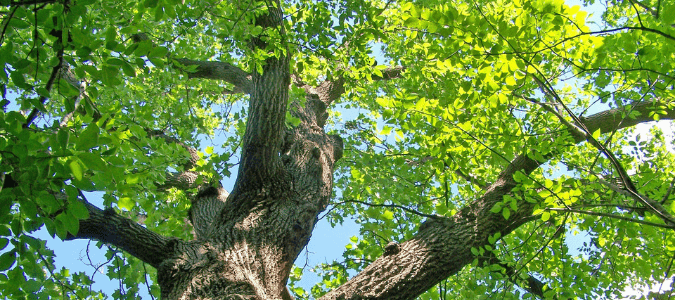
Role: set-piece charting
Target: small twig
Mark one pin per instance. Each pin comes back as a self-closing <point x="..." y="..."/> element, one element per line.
<point x="670" y="190"/>
<point x="599" y="214"/>
<point x="145" y="278"/>
<point x="50" y="269"/>
<point x="55" y="71"/>
<point x="412" y="211"/>
<point x="4" y="28"/>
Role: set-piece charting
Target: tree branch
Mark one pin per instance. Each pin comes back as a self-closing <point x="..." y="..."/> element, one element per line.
<point x="262" y="140"/>
<point x="220" y="71"/>
<point x="580" y="131"/>
<point x="323" y="96"/>
<point x="608" y="215"/>
<point x="442" y="247"/>
<point x="412" y="211"/>
<point x="111" y="228"/>
<point x="50" y="82"/>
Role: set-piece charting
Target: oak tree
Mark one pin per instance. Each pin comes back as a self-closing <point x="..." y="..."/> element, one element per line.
<point x="473" y="142"/>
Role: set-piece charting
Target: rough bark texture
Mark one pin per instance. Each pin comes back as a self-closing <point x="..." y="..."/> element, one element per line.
<point x="246" y="242"/>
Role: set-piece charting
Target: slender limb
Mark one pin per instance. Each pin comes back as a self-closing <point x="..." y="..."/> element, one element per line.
<point x="613" y="216"/>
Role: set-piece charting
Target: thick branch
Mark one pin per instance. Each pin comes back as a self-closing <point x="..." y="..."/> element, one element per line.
<point x="194" y="154"/>
<point x="609" y="120"/>
<point x="221" y="71"/>
<point x="260" y="163"/>
<point x="212" y="70"/>
<point x="109" y="227"/>
<point x="442" y="247"/>
<point x="321" y="97"/>
<point x="181" y="180"/>
<point x="205" y="209"/>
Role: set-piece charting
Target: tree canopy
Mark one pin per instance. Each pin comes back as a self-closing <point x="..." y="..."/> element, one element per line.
<point x="472" y="141"/>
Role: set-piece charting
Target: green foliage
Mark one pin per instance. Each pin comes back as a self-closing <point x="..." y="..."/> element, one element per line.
<point x="424" y="144"/>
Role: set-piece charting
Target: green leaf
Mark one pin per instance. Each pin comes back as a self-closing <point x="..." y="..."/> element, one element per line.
<point x="18" y="23"/>
<point x="506" y="213"/>
<point x="48" y="202"/>
<point x="545" y="216"/>
<point x="71" y="223"/>
<point x="159" y="13"/>
<point x="128" y="69"/>
<point x="7" y="260"/>
<point x="596" y="134"/>
<point x="60" y="227"/>
<point x="19" y="81"/>
<point x="150" y="3"/>
<point x="88" y="138"/>
<point x="62" y="136"/>
<point x="126" y="203"/>
<point x="76" y="169"/>
<point x="388" y="215"/>
<point x="111" y="34"/>
<point x="109" y="76"/>
<point x="386" y="130"/>
<point x="4" y="230"/>
<point x="93" y="161"/>
<point x="31" y="286"/>
<point x="78" y="210"/>
<point x="411" y="22"/>
<point x="497" y="208"/>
